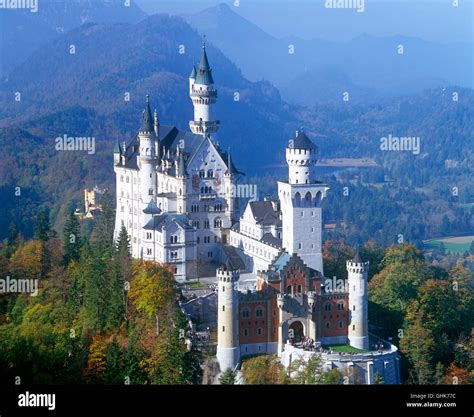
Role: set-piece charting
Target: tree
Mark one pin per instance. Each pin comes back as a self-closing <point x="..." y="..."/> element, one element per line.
<point x="308" y="371"/>
<point x="123" y="243"/>
<point x="103" y="233"/>
<point x="27" y="261"/>
<point x="152" y="287"/>
<point x="43" y="230"/>
<point x="378" y="379"/>
<point x="13" y="234"/>
<point x="417" y="344"/>
<point x="113" y="373"/>
<point x="264" y="370"/>
<point x="332" y="377"/>
<point x="71" y="239"/>
<point x="96" y="362"/>
<point x="227" y="377"/>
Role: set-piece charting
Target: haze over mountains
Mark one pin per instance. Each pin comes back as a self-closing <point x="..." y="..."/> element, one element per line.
<point x="22" y="31"/>
<point x="320" y="70"/>
<point x="83" y="94"/>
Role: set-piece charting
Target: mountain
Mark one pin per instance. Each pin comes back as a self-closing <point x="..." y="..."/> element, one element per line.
<point x="372" y="65"/>
<point x="23" y="31"/>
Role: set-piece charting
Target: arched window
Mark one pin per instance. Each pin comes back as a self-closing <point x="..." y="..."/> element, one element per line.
<point x="210" y="173"/>
<point x="245" y="313"/>
<point x="288" y="289"/>
<point x="307" y="199"/>
<point x="259" y="312"/>
<point x="317" y="199"/>
<point x="297" y="199"/>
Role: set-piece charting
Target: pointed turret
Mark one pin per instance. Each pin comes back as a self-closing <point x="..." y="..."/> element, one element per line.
<point x="193" y="73"/>
<point x="117" y="153"/>
<point x="204" y="96"/>
<point x="181" y="166"/>
<point x="147" y="120"/>
<point x="231" y="169"/>
<point x="204" y="72"/>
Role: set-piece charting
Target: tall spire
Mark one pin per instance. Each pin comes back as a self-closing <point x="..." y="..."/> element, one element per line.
<point x="204" y="71"/>
<point x="147" y="120"/>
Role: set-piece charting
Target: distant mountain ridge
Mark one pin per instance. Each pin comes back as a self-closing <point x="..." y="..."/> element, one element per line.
<point x="372" y="65"/>
<point x="23" y="31"/>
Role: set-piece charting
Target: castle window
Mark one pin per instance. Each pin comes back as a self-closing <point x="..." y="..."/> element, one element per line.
<point x="206" y="224"/>
<point x="246" y="332"/>
<point x="148" y="251"/>
<point x="175" y="270"/>
<point x="259" y="332"/>
<point x="327" y="307"/>
<point x="340" y="324"/>
<point x="148" y="235"/>
<point x="340" y="306"/>
<point x="210" y="174"/>
<point x="245" y="313"/>
<point x="353" y="327"/>
<point x="223" y="308"/>
<point x="288" y="289"/>
<point x="223" y="289"/>
<point x="259" y="312"/>
<point x="198" y="240"/>
<point x="223" y="328"/>
<point x="201" y="173"/>
<point x="218" y="223"/>
<point x="299" y="289"/>
<point x="274" y="312"/>
<point x="328" y="325"/>
<point x="299" y="245"/>
<point x="121" y="178"/>
<point x="150" y="191"/>
<point x="353" y="307"/>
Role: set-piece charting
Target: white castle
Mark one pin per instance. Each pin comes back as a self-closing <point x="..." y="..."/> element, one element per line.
<point x="178" y="196"/>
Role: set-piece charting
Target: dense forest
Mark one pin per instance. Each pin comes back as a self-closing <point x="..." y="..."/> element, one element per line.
<point x="100" y="317"/>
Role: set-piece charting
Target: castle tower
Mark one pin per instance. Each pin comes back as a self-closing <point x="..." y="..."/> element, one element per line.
<point x="117" y="153"/>
<point x="358" y="332"/>
<point x="147" y="159"/>
<point x="230" y="188"/>
<point x="228" y="348"/>
<point x="204" y="96"/>
<point x="181" y="175"/>
<point x="300" y="200"/>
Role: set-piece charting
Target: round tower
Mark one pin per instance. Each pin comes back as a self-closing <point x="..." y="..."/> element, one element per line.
<point x="228" y="348"/>
<point x="301" y="159"/>
<point x="147" y="157"/>
<point x="358" y="331"/>
<point x="204" y="96"/>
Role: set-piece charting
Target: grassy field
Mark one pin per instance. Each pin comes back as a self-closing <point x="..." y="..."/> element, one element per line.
<point x="458" y="245"/>
<point x="344" y="349"/>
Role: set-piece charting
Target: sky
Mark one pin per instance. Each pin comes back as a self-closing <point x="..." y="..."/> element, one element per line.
<point x="433" y="20"/>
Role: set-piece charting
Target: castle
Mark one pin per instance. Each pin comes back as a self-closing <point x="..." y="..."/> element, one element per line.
<point x="178" y="198"/>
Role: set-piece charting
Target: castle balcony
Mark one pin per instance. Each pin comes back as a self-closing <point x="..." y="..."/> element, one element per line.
<point x="201" y="126"/>
<point x="208" y="196"/>
<point x="174" y="260"/>
<point x="203" y="93"/>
